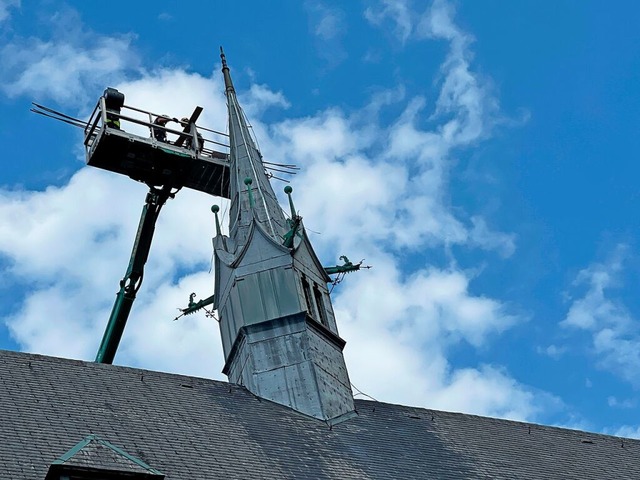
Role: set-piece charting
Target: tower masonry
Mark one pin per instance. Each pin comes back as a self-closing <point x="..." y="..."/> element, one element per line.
<point x="278" y="329"/>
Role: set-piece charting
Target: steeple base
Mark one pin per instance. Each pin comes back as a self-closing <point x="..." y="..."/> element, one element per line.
<point x="296" y="362"/>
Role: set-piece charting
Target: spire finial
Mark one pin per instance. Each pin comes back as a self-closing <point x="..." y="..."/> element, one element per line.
<point x="215" y="209"/>
<point x="248" y="182"/>
<point x="288" y="191"/>
<point x="225" y="72"/>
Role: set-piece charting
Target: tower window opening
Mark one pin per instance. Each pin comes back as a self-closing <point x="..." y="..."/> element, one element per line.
<point x="307" y="295"/>
<point x="322" y="313"/>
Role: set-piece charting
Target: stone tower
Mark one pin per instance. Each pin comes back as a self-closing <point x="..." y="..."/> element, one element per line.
<point x="277" y="324"/>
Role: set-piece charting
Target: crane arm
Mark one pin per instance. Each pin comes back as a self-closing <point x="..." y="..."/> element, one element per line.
<point x="132" y="280"/>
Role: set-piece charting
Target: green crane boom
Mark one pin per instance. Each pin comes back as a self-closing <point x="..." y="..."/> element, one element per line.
<point x="132" y="280"/>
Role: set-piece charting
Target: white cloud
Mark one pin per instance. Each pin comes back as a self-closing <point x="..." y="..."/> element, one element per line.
<point x="615" y="340"/>
<point x="262" y="97"/>
<point x="5" y="6"/>
<point x="70" y="68"/>
<point x="406" y="165"/>
<point x="626" y="431"/>
<point x="430" y="306"/>
<point x="328" y="26"/>
<point x="407" y="22"/>
<point x="73" y="253"/>
<point x="398" y="12"/>
<point x="400" y="330"/>
<point x="594" y="308"/>
<point x="492" y="392"/>
<point x="462" y="95"/>
<point x="553" y="351"/>
<point x="625" y="403"/>
<point x="438" y="22"/>
<point x="481" y="235"/>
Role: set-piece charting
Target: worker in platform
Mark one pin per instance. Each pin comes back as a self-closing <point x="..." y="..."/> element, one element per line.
<point x="160" y="134"/>
<point x="188" y="144"/>
<point x="113" y="101"/>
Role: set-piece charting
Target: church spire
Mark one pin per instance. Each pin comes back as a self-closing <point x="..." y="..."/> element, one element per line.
<point x="251" y="194"/>
<point x="278" y="329"/>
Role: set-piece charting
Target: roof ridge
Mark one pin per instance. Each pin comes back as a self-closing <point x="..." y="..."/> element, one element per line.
<point x="523" y="423"/>
<point x="108" y="366"/>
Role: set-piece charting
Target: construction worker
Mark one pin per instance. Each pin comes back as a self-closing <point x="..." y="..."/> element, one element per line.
<point x="189" y="141"/>
<point x="160" y="134"/>
<point x="114" y="101"/>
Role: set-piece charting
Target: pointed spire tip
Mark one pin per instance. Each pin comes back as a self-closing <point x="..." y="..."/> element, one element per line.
<point x="225" y="72"/>
<point x="222" y="56"/>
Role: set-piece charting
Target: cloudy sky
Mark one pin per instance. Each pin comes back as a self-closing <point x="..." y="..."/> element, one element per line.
<point x="481" y="156"/>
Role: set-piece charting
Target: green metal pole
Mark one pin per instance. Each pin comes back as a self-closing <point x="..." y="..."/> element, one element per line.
<point x="132" y="280"/>
<point x="115" y="326"/>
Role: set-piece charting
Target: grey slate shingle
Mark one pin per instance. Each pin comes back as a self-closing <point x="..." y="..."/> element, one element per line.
<point x="198" y="429"/>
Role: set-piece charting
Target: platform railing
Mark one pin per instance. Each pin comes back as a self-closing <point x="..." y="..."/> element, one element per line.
<point x="139" y="126"/>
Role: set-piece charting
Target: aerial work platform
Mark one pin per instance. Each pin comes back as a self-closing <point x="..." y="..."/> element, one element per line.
<point x="133" y="142"/>
<point x="139" y="144"/>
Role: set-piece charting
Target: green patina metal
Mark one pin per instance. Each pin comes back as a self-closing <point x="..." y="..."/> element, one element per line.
<point x="344" y="268"/>
<point x="73" y="450"/>
<point x="174" y="152"/>
<point x="248" y="182"/>
<point x="295" y="221"/>
<point x="288" y="189"/>
<point x="215" y="209"/>
<point x="288" y="237"/>
<point x="195" y="306"/>
<point x="94" y="438"/>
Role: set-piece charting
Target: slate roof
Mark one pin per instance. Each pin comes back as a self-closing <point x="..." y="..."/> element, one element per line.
<point x="198" y="429"/>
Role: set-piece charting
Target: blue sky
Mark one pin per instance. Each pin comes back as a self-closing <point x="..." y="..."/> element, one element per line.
<point x="480" y="155"/>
